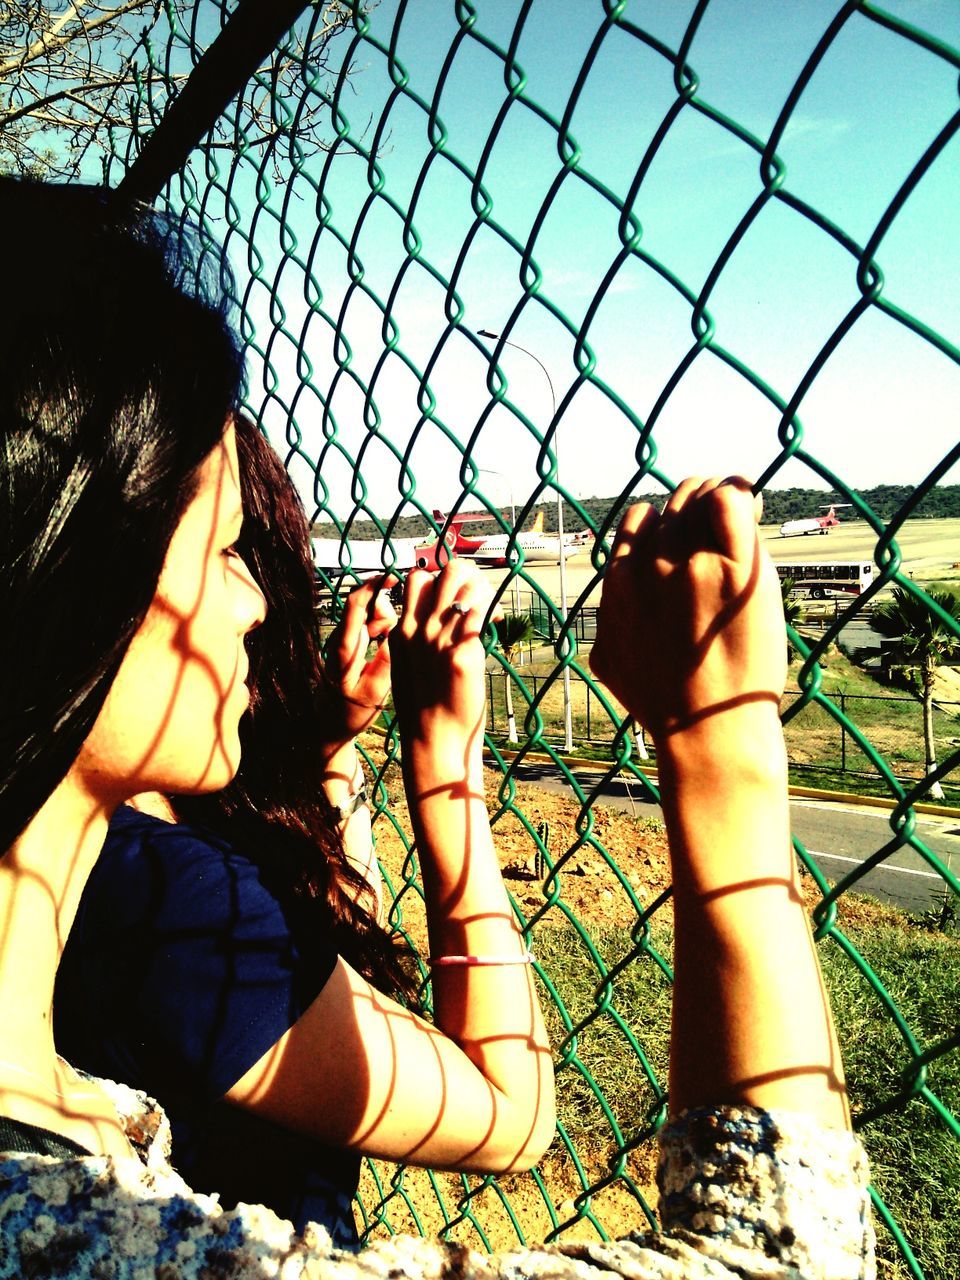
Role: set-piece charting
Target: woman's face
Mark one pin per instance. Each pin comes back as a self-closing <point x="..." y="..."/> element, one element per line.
<point x="171" y="719"/>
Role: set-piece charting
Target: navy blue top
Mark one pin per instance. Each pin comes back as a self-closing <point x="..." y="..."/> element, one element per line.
<point x="182" y="969"/>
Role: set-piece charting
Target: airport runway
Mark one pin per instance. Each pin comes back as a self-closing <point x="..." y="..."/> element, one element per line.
<point x="930" y="550"/>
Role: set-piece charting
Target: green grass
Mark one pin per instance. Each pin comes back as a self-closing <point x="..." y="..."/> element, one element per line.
<point x="825" y="778"/>
<point x="915" y="1159"/>
<point x="822" y="753"/>
<point x="643" y="998"/>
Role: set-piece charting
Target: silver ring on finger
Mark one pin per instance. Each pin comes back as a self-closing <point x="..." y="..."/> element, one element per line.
<point x="457" y="607"/>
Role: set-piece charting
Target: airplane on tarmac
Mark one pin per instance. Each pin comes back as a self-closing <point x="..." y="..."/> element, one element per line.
<point x="813" y="524"/>
<point x="366" y="559"/>
<point x="491" y="549"/>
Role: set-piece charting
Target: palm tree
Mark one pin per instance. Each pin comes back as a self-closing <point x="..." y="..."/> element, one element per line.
<point x="922" y="641"/>
<point x="513" y="631"/>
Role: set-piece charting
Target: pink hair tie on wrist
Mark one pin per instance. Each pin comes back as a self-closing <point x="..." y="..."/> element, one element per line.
<point x="472" y="962"/>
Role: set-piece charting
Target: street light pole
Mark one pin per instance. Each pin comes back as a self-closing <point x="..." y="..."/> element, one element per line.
<point x="488" y="471"/>
<point x="567" y="709"/>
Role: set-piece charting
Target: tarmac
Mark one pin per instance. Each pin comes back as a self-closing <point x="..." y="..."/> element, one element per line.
<point x="930" y="551"/>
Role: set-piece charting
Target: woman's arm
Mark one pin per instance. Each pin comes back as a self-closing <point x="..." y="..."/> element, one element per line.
<point x="490" y="1011"/>
<point x="690" y="638"/>
<point x="355" y="691"/>
<point x="475" y="1090"/>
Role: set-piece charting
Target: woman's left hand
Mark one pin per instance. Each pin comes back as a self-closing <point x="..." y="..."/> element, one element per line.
<point x="438" y="656"/>
<point x="356" y="688"/>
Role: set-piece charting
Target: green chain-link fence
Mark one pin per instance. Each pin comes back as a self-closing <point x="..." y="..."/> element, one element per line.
<point x="602" y="187"/>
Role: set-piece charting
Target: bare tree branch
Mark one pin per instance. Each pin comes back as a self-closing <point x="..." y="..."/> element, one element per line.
<point x="78" y="82"/>
<point x="43" y="44"/>
<point x="35" y="107"/>
<point x="52" y="39"/>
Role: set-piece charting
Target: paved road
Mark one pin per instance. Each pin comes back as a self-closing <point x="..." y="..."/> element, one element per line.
<point x="838" y="837"/>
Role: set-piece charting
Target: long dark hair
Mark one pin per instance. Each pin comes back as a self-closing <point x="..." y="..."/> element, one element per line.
<point x="118" y="373"/>
<point x="276" y="810"/>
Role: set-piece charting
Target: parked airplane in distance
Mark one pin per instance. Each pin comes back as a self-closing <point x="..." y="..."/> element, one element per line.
<point x="491" y="549"/>
<point x="366" y="559"/>
<point x="813" y="524"/>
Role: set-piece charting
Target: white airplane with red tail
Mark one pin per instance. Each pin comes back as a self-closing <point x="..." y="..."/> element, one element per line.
<point x="367" y="555"/>
<point x="491" y="549"/>
<point x="813" y="524"/>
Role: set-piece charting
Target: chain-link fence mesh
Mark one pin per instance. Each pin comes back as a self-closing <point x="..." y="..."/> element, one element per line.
<point x="602" y="189"/>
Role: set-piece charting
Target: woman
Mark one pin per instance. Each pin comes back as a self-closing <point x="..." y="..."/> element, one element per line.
<point x="115" y="458"/>
<point x="185" y="1010"/>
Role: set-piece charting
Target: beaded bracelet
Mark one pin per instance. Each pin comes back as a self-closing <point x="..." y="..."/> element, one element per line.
<point x="480" y="961"/>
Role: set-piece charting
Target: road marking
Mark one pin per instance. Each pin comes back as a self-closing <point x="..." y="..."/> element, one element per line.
<point x="904" y="871"/>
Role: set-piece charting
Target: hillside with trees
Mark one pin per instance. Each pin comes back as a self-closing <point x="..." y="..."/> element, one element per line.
<point x="942" y="502"/>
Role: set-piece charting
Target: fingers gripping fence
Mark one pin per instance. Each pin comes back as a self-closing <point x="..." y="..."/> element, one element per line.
<point x="574" y="180"/>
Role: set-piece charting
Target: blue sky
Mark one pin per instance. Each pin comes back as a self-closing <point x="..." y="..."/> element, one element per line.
<point x="885" y="407"/>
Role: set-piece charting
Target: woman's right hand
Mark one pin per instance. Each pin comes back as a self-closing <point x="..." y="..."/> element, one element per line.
<point x="691" y="621"/>
<point x="438" y="660"/>
<point x="691" y="639"/>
